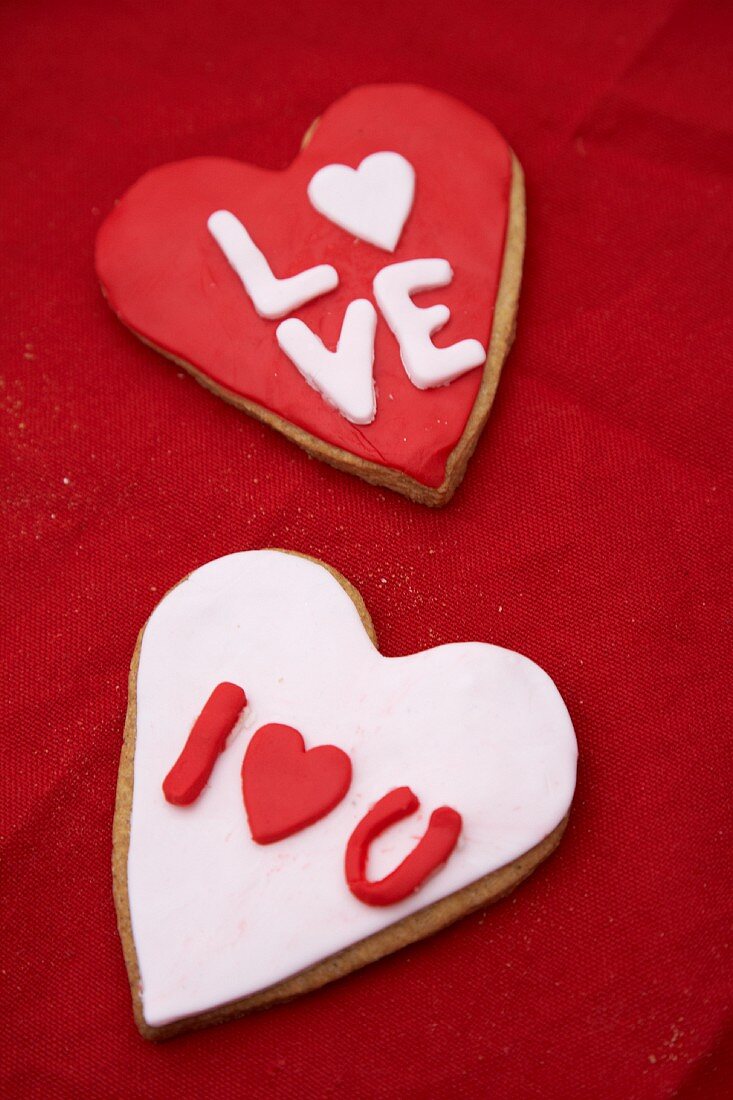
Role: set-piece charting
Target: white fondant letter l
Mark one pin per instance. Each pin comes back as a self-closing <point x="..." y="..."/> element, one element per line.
<point x="270" y="296"/>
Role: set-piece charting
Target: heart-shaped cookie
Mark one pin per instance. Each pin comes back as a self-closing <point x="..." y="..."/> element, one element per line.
<point x="205" y="258"/>
<point x="214" y="924"/>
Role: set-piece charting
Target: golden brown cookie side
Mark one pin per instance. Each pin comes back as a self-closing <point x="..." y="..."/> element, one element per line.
<point x="121" y="838"/>
<point x="502" y="336"/>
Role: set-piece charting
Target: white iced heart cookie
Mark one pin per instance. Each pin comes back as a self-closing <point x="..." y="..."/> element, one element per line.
<point x="371" y="202"/>
<point x="214" y="924"/>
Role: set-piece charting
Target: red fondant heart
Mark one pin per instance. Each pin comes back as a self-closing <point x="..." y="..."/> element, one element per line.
<point x="286" y="788"/>
<point x="168" y="280"/>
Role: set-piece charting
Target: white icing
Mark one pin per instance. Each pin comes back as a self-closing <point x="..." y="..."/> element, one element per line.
<point x="270" y="296"/>
<point x="216" y="917"/>
<point x="413" y="326"/>
<point x="345" y="377"/>
<point x="371" y="201"/>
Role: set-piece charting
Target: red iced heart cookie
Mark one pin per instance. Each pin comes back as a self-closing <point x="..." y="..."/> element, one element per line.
<point x="168" y="279"/>
<point x="287" y="788"/>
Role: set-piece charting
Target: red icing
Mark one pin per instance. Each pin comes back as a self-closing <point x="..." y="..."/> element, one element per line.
<point x="286" y="788"/>
<point x="430" y="853"/>
<point x="167" y="279"/>
<point x="190" y="773"/>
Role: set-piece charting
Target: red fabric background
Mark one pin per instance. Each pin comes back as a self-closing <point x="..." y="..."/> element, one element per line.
<point x="591" y="533"/>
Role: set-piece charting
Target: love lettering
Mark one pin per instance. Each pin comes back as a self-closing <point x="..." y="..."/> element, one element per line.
<point x="371" y="202"/>
<point x="286" y="788"/>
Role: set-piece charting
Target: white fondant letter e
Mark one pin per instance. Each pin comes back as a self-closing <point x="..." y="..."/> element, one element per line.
<point x="412" y="326"/>
<point x="270" y="296"/>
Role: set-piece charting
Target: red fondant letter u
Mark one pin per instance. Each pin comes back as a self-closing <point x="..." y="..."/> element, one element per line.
<point x="430" y="853"/>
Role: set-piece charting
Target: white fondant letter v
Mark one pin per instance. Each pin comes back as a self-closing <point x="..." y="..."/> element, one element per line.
<point x="345" y="377"/>
<point x="425" y="364"/>
<point x="270" y="296"/>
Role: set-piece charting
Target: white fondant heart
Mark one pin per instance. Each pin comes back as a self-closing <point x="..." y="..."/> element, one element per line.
<point x="216" y="917"/>
<point x="371" y="201"/>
